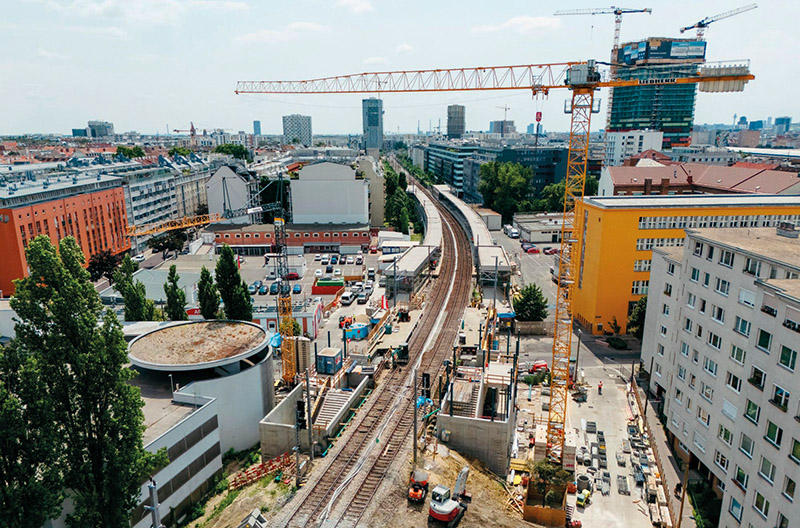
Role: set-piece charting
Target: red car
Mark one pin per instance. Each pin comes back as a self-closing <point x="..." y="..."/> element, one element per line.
<point x="550" y="251"/>
<point x="292" y="276"/>
<point x="532" y="249"/>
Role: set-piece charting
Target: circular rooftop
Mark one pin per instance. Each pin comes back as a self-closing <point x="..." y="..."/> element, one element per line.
<point x="197" y="345"/>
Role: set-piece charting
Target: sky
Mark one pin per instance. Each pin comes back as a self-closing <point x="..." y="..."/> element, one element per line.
<point x="147" y="65"/>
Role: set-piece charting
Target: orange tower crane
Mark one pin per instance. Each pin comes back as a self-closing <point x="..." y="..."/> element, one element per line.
<point x="583" y="79"/>
<point x="192" y="133"/>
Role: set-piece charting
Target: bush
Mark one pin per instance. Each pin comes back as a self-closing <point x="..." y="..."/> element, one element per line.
<point x="195" y="512"/>
<point x="617" y="342"/>
<point x="221" y="486"/>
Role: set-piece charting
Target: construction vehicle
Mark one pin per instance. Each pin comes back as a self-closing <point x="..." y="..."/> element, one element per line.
<point x="450" y="508"/>
<point x="583" y="79"/>
<point x="417" y="486"/>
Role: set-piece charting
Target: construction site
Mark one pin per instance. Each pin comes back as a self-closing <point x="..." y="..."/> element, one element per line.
<point x="431" y="411"/>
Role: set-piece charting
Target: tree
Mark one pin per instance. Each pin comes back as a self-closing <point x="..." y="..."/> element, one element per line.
<point x="296" y="328"/>
<point x="530" y="304"/>
<point x="237" y="151"/>
<point x="614" y="325"/>
<point x="551" y="197"/>
<point x="29" y="438"/>
<point x="170" y="241"/>
<point x="546" y="476"/>
<point x="401" y="180"/>
<point x="227" y="274"/>
<point x="636" y="319"/>
<point x="503" y="185"/>
<point x="402" y="221"/>
<point x="128" y="152"/>
<point x="179" y="151"/>
<point x="239" y="308"/>
<point x="137" y="306"/>
<point x="103" y="264"/>
<point x="202" y="209"/>
<point x="85" y="384"/>
<point x="176" y="297"/>
<point x="208" y="295"/>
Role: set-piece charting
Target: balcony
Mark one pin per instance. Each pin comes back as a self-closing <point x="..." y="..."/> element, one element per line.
<point x="769" y="310"/>
<point x="791" y="325"/>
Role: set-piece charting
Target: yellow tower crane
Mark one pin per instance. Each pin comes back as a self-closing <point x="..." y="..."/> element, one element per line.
<point x="583" y="79"/>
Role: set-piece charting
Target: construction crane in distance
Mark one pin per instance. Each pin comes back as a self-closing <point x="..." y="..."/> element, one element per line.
<point x="583" y="79"/>
<point x="616" y="11"/>
<point x="703" y="24"/>
<point x="192" y="133"/>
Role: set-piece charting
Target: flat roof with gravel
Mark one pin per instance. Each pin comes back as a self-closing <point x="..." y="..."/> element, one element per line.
<point x="200" y="344"/>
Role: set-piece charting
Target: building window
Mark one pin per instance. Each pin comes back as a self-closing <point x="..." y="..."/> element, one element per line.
<point x="789" y="487"/>
<point x="783" y="522"/>
<point x="297" y="235"/>
<point x="640" y="287"/>
<point x="681" y="373"/>
<point x="703" y="417"/>
<point x="725" y="435"/>
<point x="735" y="509"/>
<point x="761" y="505"/>
<point x="665" y="309"/>
<point x="747" y="298"/>
<point x="663" y="331"/>
<point x="678" y="395"/>
<point x="691" y="299"/>
<point x="642" y="265"/>
<point x="746" y="445"/>
<point x="729" y="410"/>
<point x="726" y="258"/>
<point x="671" y="268"/>
<point x="695" y="275"/>
<point x="722" y="287"/>
<point x="306" y="235"/>
<point x="698" y="249"/>
<point x="795" y="454"/>
<point x="767" y="469"/>
<point x="660" y="349"/>
<point x="658" y="369"/>
<point x="742" y="326"/>
<point x="780" y="397"/>
<point x="699" y="441"/>
<point x="788" y="357"/>
<point x="741" y="477"/>
<point x="684" y="349"/>
<point x="316" y="235"/>
<point x="721" y="460"/>
<point x="714" y="340"/>
<point x="738" y="354"/>
<point x="734" y="382"/>
<point x="687" y="324"/>
<point x="336" y="235"/>
<point x="668" y="289"/>
<point x="344" y="235"/>
<point x="706" y="391"/>
<point x="774" y="433"/>
<point x="764" y="340"/>
<point x="706" y="280"/>
<point x="752" y="411"/>
<point x="710" y="366"/>
<point x="717" y="313"/>
<point x="757" y="377"/>
<point x="752" y="266"/>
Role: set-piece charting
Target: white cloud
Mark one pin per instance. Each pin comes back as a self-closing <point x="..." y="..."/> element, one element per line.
<point x="286" y="33"/>
<point x="356" y="6"/>
<point x="521" y="24"/>
<point x="110" y="32"/>
<point x="376" y="60"/>
<point x="141" y="11"/>
<point x="404" y="48"/>
<point x="52" y="55"/>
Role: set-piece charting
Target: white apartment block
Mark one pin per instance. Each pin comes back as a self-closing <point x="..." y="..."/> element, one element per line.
<point x="297" y="128"/>
<point x="722" y="335"/>
<point x="622" y="145"/>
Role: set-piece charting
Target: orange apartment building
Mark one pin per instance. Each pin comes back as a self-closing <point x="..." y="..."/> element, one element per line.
<point x="91" y="209"/>
<point x="620" y="233"/>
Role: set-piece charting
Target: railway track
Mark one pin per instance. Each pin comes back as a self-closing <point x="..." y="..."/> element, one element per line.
<point x="390" y="408"/>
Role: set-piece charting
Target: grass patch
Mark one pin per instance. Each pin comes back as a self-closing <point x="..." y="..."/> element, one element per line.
<point x="416" y="237"/>
<point x="224" y="503"/>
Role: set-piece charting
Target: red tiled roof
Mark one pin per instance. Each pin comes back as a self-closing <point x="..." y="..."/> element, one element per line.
<point x="754" y="165"/>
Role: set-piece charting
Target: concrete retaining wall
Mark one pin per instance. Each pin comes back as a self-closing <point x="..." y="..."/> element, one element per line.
<point x="534" y="327"/>
<point x="489" y="442"/>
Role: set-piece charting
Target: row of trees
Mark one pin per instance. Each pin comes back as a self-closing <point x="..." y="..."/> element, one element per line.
<point x="426" y="178"/>
<point x="506" y="188"/>
<point x="130" y="152"/>
<point x="72" y="423"/>
<point x="400" y="209"/>
<point x="237" y="151"/>
<point x="179" y="151"/>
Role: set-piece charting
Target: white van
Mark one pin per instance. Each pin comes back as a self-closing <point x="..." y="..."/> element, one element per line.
<point x="348" y="298"/>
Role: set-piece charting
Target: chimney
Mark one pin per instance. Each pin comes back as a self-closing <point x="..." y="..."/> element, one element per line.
<point x="648" y="185"/>
<point x="787" y="229"/>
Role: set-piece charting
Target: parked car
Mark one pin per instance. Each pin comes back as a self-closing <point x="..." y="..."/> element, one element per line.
<point x="532" y="250"/>
<point x="350" y="260"/>
<point x="317" y="257"/>
<point x="252" y="289"/>
<point x="359" y="260"/>
<point x="371" y="273"/>
<point x="292" y="276"/>
<point x="334" y="259"/>
<point x="368" y="289"/>
<point x="550" y="251"/>
<point x="318" y="273"/>
<point x="263" y="289"/>
<point x="337" y="272"/>
<point x="274" y="288"/>
<point x="363" y="297"/>
<point x="138" y="258"/>
<point x="325" y="260"/>
<point x="297" y="288"/>
<point x="328" y="269"/>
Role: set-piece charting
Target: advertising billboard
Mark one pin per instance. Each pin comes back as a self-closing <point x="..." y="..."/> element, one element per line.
<point x="688" y="50"/>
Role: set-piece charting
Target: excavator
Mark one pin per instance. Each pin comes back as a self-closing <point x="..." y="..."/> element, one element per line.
<point x="447" y="508"/>
<point x="417" y="486"/>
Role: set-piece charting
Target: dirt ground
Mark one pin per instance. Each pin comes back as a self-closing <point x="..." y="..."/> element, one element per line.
<point x="391" y="509"/>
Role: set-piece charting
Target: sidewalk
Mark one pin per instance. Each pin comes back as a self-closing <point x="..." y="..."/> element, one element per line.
<point x="671" y="475"/>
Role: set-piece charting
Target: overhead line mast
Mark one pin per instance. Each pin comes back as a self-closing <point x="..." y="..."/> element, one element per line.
<point x="583" y="79"/>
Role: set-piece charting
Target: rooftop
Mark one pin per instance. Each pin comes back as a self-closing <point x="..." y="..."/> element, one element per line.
<point x="763" y="241"/>
<point x="692" y="200"/>
<point x="201" y="344"/>
<point x="60" y="187"/>
<point x="160" y="412"/>
<point x="785" y="287"/>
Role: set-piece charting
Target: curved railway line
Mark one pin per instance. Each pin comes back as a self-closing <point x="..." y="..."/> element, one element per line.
<point x="389" y="412"/>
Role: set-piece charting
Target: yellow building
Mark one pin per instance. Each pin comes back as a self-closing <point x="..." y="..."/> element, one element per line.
<point x="621" y="231"/>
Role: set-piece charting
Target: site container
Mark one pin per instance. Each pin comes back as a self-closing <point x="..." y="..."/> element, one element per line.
<point x="329" y="360"/>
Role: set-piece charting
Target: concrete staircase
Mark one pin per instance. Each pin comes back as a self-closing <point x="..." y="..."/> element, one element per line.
<point x="331" y="405"/>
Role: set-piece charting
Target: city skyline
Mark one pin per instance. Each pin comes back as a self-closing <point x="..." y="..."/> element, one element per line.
<point x="81" y="42"/>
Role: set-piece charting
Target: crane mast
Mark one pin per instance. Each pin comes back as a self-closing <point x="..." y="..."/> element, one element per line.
<point x="583" y="79"/>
